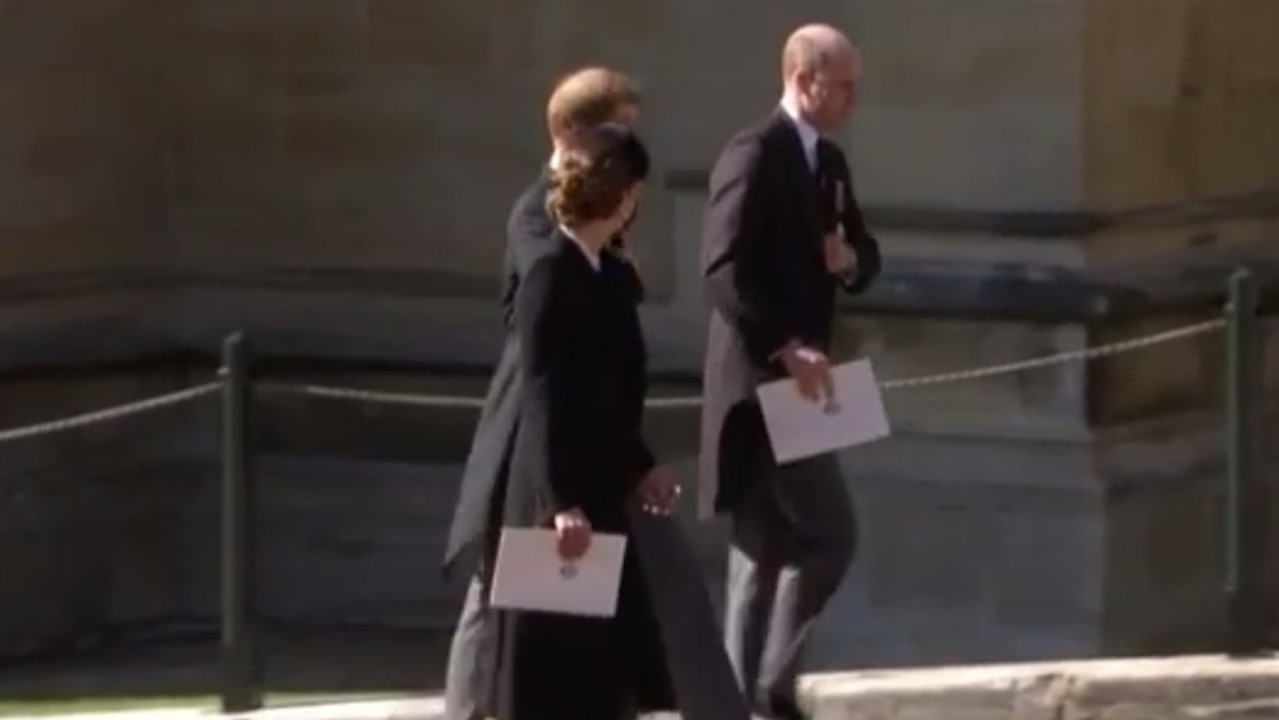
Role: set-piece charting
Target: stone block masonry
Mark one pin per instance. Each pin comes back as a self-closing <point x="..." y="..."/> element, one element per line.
<point x="332" y="176"/>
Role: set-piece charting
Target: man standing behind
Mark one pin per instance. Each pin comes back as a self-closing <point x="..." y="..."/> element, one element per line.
<point x="782" y="231"/>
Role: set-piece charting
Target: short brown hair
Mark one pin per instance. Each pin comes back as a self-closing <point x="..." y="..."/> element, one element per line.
<point x="592" y="180"/>
<point x="588" y="97"/>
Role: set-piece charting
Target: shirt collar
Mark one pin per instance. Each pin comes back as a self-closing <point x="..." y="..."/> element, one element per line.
<point x="808" y="135"/>
<point x="592" y="255"/>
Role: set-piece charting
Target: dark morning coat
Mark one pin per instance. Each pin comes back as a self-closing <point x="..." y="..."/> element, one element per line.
<point x="529" y="232"/>
<point x="762" y="262"/>
<point x="579" y="445"/>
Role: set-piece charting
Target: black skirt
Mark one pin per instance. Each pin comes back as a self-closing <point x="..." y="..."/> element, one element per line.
<point x="561" y="667"/>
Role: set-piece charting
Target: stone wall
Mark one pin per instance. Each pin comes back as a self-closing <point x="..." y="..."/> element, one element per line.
<point x="333" y="175"/>
<point x="83" y="179"/>
<point x="87" y="530"/>
<point x="97" y="523"/>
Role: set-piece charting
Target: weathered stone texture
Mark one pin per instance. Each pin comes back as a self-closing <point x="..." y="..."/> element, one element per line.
<point x="1178" y="98"/>
<point x="82" y="179"/>
<point x="81" y="183"/>
<point x="957" y="93"/>
<point x="371" y="535"/>
<point x="391" y="134"/>
<point x="334" y="175"/>
<point x="92" y="520"/>
<point x="1044" y="402"/>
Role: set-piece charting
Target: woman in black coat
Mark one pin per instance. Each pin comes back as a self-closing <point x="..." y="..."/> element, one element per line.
<point x="579" y="459"/>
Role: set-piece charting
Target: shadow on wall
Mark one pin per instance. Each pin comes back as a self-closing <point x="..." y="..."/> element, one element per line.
<point x="109" y="538"/>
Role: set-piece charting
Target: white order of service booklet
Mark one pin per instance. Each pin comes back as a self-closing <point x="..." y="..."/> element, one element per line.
<point x="529" y="574"/>
<point x="799" y="428"/>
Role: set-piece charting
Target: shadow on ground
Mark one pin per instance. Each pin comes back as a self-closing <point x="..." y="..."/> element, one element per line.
<point x="323" y="664"/>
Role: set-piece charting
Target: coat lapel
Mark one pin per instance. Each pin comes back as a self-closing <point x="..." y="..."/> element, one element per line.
<point x="810" y="193"/>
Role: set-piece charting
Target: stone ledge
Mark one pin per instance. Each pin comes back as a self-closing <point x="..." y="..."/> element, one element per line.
<point x="1128" y="689"/>
<point x="1204" y="687"/>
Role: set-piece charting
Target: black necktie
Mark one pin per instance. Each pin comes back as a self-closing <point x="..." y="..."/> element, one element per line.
<point x="825" y="181"/>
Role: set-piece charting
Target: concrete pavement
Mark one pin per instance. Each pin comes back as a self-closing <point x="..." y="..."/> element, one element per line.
<point x="1203" y="687"/>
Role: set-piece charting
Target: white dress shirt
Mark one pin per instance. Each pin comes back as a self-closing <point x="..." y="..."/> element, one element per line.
<point x="808" y="135"/>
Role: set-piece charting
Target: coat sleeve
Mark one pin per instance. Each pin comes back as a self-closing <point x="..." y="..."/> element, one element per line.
<point x="642" y="459"/>
<point x="543" y="320"/>
<point x="624" y="272"/>
<point x="736" y="250"/>
<point x="529" y="235"/>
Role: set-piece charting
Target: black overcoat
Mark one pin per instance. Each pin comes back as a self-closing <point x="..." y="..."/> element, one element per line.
<point x="579" y="445"/>
<point x="529" y="237"/>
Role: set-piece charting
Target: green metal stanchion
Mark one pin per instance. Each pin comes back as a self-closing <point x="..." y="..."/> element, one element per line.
<point x="1247" y="496"/>
<point x="241" y="676"/>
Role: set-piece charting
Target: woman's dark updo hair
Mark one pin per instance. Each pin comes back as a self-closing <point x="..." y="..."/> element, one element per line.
<point x="593" y="179"/>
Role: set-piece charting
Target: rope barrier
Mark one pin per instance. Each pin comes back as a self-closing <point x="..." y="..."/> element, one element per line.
<point x="111" y="413"/>
<point x="460" y="401"/>
<point x="691" y="401"/>
<point x="174" y="628"/>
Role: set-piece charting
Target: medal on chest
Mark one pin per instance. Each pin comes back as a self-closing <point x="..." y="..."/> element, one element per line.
<point x="839" y="210"/>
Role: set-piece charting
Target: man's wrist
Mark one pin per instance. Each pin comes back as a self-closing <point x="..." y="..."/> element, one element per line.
<point x="779" y="352"/>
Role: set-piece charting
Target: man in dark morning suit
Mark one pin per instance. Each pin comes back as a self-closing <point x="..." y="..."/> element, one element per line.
<point x="782" y="232"/>
<point x="700" y="671"/>
<point x="588" y="97"/>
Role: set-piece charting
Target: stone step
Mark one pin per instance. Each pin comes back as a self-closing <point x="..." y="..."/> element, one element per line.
<point x="1170" y="688"/>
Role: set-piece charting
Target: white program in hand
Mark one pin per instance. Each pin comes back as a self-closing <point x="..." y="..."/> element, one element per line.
<point x="799" y="428"/>
<point x="529" y="574"/>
